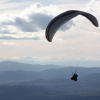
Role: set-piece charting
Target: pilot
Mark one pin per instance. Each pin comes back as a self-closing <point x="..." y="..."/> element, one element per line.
<point x="74" y="77"/>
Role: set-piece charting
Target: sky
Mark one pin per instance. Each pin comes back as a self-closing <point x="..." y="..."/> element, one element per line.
<point x="22" y="33"/>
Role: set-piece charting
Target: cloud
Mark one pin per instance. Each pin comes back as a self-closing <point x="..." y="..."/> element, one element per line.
<point x="73" y="2"/>
<point x="19" y="0"/>
<point x="20" y="37"/>
<point x="36" y="18"/>
<point x="9" y="43"/>
<point x="2" y="1"/>
<point x="93" y="6"/>
<point x="37" y="22"/>
<point x="56" y="61"/>
<point x="50" y="2"/>
<point x="32" y="19"/>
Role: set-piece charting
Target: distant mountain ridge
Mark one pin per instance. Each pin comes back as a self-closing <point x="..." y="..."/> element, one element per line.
<point x="14" y="71"/>
<point x="50" y="74"/>
<point x="14" y="66"/>
<point x="51" y="82"/>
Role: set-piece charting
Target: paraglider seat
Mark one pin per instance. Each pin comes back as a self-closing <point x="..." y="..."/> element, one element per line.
<point x="74" y="77"/>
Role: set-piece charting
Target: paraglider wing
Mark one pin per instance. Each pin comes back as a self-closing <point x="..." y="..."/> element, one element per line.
<point x="91" y="18"/>
<point x="61" y="19"/>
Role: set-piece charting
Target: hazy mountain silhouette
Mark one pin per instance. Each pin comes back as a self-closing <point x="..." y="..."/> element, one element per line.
<point x="14" y="66"/>
<point x="17" y="82"/>
<point x="63" y="73"/>
<point x="21" y="72"/>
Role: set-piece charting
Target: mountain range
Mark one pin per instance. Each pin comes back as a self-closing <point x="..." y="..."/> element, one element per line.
<point x="14" y="71"/>
<point x="19" y="81"/>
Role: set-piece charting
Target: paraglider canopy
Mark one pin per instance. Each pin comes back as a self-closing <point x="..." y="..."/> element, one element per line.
<point x="59" y="20"/>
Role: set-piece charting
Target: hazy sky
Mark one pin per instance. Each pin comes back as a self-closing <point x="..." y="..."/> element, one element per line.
<point x="22" y="33"/>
